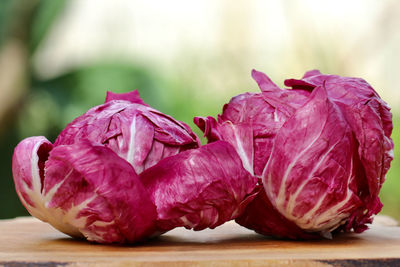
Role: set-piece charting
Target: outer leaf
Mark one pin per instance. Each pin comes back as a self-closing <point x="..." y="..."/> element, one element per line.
<point x="264" y="119"/>
<point x="28" y="162"/>
<point x="199" y="188"/>
<point x="240" y="136"/>
<point x="285" y="101"/>
<point x="132" y="97"/>
<point x="261" y="216"/>
<point x="91" y="189"/>
<point x="319" y="196"/>
<point x="371" y="121"/>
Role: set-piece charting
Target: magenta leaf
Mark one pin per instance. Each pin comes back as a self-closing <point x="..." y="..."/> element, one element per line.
<point x="97" y="193"/>
<point x="199" y="188"/>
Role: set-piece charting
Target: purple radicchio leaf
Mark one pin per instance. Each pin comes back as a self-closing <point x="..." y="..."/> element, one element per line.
<point x="269" y="221"/>
<point x="321" y="196"/>
<point x="93" y="191"/>
<point x="28" y="162"/>
<point x="199" y="188"/>
<point x="371" y="122"/>
<point x="132" y="97"/>
<point x="83" y="190"/>
<point x="139" y="134"/>
<point x="238" y="135"/>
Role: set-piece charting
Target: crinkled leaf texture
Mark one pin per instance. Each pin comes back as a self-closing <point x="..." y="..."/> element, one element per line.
<point x="321" y="150"/>
<point x="83" y="190"/>
<point x="123" y="172"/>
<point x="136" y="132"/>
<point x="200" y="188"/>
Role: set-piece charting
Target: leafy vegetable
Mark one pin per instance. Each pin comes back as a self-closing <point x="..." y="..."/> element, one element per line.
<point x="123" y="172"/>
<point x="296" y="163"/>
<point x="320" y="149"/>
<point x="199" y="188"/>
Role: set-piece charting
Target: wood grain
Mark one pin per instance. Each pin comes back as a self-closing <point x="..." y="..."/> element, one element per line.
<point x="25" y="241"/>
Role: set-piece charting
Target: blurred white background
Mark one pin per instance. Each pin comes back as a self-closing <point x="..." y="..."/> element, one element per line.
<point x="217" y="43"/>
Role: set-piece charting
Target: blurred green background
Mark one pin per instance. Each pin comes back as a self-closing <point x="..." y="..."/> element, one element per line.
<point x="58" y="59"/>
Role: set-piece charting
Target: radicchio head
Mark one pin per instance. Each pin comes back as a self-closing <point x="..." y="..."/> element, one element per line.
<point x="321" y="151"/>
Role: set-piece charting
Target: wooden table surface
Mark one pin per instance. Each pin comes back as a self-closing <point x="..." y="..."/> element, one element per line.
<point x="29" y="242"/>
